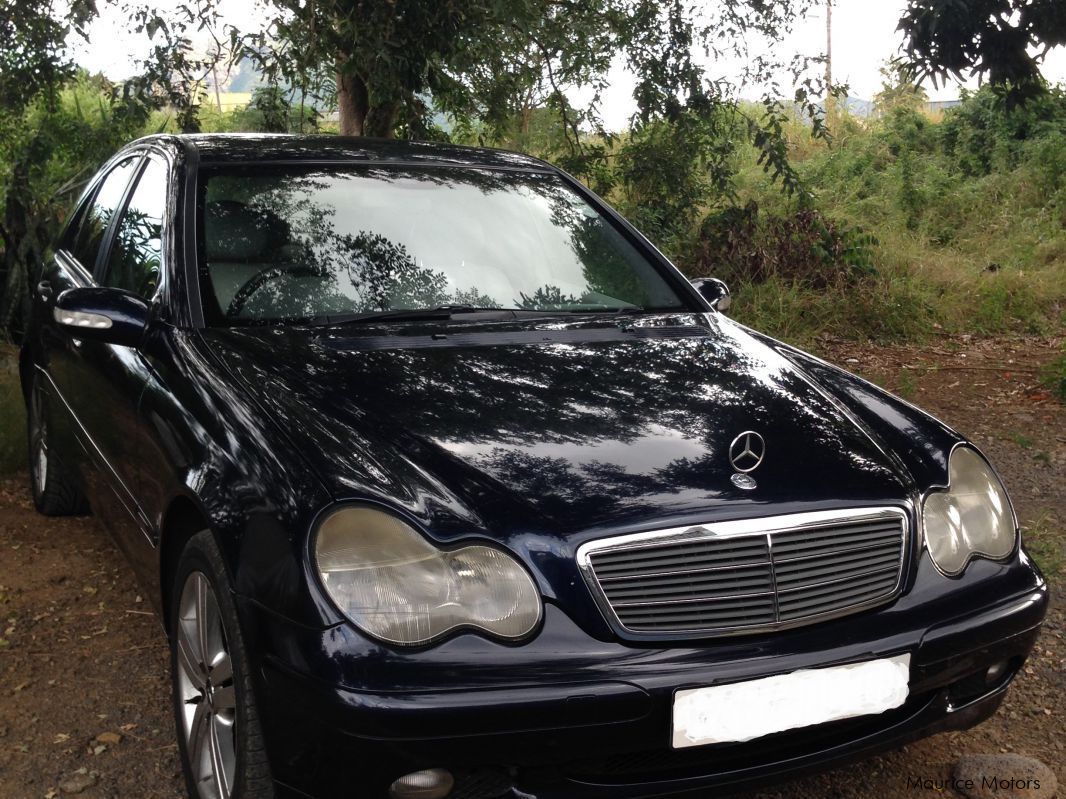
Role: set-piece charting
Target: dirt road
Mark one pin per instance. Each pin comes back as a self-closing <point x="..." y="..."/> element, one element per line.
<point x="83" y="665"/>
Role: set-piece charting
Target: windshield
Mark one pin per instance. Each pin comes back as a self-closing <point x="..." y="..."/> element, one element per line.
<point x="280" y="243"/>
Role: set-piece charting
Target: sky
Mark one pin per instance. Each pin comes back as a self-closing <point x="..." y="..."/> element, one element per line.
<point x="864" y="37"/>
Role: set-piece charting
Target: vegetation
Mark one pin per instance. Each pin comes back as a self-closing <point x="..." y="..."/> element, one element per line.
<point x="1001" y="40"/>
<point x="1043" y="540"/>
<point x="957" y="224"/>
<point x="12" y="419"/>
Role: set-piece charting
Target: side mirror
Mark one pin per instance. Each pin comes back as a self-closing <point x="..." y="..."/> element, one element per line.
<point x="103" y="314"/>
<point x="715" y="291"/>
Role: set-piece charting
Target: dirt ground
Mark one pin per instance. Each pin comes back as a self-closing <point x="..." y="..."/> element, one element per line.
<point x="83" y="665"/>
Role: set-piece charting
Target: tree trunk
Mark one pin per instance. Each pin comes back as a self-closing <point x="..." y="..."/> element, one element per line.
<point x="381" y="120"/>
<point x="353" y="102"/>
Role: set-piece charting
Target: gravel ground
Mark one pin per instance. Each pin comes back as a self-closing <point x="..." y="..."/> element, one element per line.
<point x="83" y="665"/>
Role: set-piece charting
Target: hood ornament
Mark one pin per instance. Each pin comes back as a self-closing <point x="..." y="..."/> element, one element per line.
<point x="746" y="452"/>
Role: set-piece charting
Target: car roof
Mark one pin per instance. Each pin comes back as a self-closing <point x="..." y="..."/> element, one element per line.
<point x="213" y="148"/>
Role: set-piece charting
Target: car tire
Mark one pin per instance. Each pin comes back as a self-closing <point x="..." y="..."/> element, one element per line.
<point x="219" y="736"/>
<point x="54" y="488"/>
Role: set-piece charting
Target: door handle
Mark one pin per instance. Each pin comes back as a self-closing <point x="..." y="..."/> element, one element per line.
<point x="44" y="290"/>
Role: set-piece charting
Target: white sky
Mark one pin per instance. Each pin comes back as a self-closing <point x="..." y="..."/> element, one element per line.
<point x="864" y="37"/>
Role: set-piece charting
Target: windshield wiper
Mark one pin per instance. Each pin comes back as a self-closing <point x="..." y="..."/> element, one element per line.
<point x="415" y="314"/>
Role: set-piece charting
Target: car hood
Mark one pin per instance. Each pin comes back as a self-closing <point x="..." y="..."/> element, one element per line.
<point x="558" y="426"/>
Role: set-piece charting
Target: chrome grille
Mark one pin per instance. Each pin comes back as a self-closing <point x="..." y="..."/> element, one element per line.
<point x="748" y="575"/>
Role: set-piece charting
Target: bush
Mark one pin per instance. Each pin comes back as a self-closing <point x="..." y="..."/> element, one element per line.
<point x="966" y="219"/>
<point x="1054" y="377"/>
<point x="47" y="153"/>
<point x="804" y="248"/>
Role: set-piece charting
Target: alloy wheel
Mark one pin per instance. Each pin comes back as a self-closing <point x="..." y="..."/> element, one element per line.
<point x="206" y="689"/>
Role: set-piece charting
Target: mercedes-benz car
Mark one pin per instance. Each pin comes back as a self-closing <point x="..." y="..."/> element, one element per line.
<point x="446" y="483"/>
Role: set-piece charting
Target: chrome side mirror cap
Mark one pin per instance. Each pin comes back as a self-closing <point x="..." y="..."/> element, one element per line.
<point x="715" y="291"/>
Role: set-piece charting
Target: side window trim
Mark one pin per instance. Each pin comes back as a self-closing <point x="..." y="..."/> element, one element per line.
<point x="70" y="264"/>
<point x="104" y="253"/>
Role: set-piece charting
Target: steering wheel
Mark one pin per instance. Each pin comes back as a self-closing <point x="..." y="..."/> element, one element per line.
<point x="268" y="275"/>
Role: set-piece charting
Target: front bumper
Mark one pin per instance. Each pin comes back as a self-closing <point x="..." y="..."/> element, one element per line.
<point x="568" y="716"/>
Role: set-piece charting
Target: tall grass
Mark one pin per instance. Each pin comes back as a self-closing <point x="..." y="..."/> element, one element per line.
<point x="966" y="216"/>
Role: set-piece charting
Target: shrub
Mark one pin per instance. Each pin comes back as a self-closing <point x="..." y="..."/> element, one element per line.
<point x="805" y="248"/>
<point x="1054" y="377"/>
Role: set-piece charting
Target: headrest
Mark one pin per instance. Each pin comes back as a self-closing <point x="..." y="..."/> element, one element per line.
<point x="234" y="231"/>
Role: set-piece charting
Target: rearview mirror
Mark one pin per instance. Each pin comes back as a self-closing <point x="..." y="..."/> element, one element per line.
<point x="715" y="291"/>
<point x="103" y="314"/>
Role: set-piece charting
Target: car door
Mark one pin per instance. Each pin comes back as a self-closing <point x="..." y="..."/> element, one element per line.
<point x="60" y="354"/>
<point x="132" y="261"/>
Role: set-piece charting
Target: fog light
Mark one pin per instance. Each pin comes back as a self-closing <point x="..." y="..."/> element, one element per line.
<point x="996" y="671"/>
<point x="432" y="783"/>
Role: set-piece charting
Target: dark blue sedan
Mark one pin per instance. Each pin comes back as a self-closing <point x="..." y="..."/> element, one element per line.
<point x="446" y="483"/>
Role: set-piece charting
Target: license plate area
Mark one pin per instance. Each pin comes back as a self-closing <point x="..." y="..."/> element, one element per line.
<point x="746" y="710"/>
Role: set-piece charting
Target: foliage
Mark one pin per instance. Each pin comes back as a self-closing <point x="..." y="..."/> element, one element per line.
<point x="488" y="64"/>
<point x="33" y="60"/>
<point x="667" y="171"/>
<point x="980" y="136"/>
<point x="969" y="216"/>
<point x="805" y="249"/>
<point x="46" y="156"/>
<point x="1001" y="40"/>
<point x="12" y="415"/>
<point x="1054" y="377"/>
<point x="899" y="89"/>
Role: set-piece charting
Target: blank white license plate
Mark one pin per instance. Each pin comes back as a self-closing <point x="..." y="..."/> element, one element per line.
<point x="745" y="710"/>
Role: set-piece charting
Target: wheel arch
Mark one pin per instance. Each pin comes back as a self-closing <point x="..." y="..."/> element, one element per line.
<point x="183" y="519"/>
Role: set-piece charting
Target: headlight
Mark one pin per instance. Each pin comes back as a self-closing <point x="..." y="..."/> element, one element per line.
<point x="395" y="585"/>
<point x="971" y="517"/>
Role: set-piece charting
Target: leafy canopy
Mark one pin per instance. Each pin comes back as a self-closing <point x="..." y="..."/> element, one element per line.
<point x="1004" y="41"/>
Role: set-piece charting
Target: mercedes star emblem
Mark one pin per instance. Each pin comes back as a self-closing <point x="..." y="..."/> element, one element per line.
<point x="747" y="451"/>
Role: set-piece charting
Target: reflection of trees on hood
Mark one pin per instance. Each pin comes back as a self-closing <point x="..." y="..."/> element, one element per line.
<point x="565" y="423"/>
<point x="595" y="488"/>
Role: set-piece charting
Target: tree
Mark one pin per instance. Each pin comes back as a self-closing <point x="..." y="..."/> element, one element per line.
<point x="396" y="62"/>
<point x="1004" y="41"/>
<point x="898" y="89"/>
<point x="389" y="58"/>
<point x="493" y="67"/>
<point x="33" y="57"/>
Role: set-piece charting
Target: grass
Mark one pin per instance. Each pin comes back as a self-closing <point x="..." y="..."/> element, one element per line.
<point x="955" y="250"/>
<point x="1054" y="377"/>
<point x="12" y="415"/>
<point x="1044" y="541"/>
<point x="1022" y="440"/>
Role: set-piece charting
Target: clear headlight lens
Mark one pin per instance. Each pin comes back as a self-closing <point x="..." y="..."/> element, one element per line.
<point x="972" y="517"/>
<point x="395" y="585"/>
